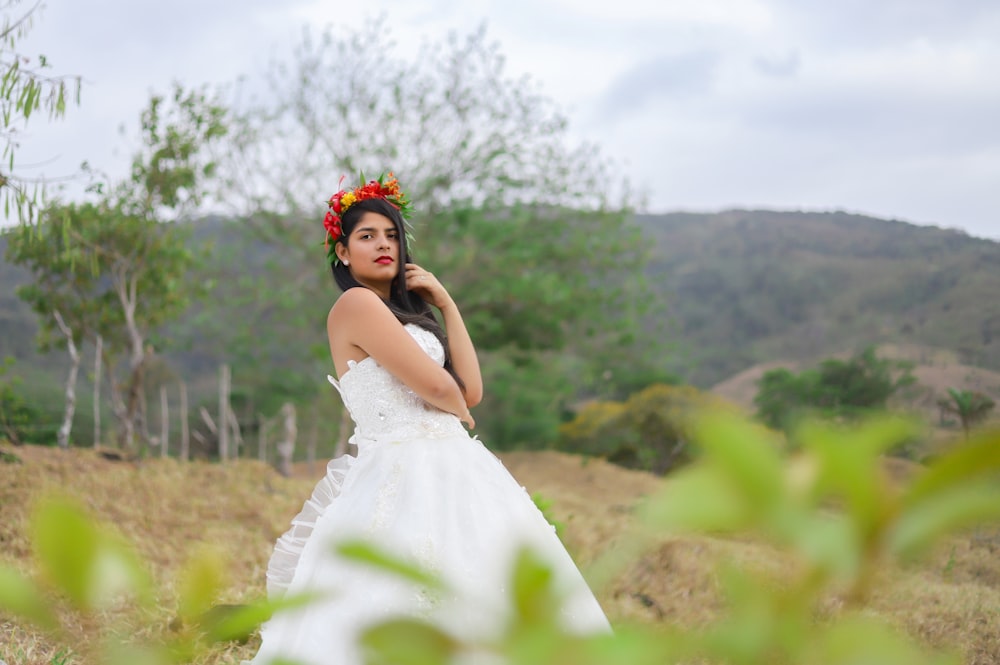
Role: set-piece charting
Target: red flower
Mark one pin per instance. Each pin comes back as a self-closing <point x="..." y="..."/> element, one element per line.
<point x="386" y="188"/>
<point x="335" y="202"/>
<point x="332" y="224"/>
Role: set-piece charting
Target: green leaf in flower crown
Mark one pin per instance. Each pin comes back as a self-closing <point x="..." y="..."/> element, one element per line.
<point x="20" y="597"/>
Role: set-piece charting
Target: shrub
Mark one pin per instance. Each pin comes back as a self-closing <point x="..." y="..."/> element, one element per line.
<point x="649" y="431"/>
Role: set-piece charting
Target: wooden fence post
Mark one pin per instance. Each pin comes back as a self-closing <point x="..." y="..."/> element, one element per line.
<point x="185" y="441"/>
<point x="223" y="428"/>
<point x="164" y="422"/>
<point x="286" y="447"/>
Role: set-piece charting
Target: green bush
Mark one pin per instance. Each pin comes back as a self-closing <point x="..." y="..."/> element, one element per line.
<point x="836" y="389"/>
<point x="16" y="415"/>
<point x="648" y="431"/>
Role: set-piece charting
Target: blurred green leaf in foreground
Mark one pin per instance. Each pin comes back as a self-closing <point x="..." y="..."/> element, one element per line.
<point x="829" y="510"/>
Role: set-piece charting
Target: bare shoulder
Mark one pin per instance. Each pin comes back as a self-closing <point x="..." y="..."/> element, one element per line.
<point x="356" y="304"/>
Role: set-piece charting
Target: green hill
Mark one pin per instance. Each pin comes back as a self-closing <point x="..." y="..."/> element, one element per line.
<point x="745" y="287"/>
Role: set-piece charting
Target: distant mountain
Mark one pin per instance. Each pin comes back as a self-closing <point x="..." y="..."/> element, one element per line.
<point x="744" y="287"/>
<point x="740" y="288"/>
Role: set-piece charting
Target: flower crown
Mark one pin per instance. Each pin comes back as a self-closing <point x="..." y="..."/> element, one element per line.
<point x="384" y="187"/>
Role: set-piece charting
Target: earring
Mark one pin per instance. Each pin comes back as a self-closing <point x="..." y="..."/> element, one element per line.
<point x="347" y="263"/>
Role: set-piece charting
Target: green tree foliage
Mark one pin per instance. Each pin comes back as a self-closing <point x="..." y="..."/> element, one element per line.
<point x="517" y="222"/>
<point x="836" y="389"/>
<point x="970" y="406"/>
<point x="535" y="278"/>
<point x="15" y="413"/>
<point x="742" y="483"/>
<point x="117" y="267"/>
<point x="26" y="88"/>
<point x="648" y="431"/>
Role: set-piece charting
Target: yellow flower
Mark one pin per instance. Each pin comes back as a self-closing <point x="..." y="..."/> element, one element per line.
<point x="347" y="200"/>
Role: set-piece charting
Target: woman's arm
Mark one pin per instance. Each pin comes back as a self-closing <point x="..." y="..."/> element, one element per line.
<point x="360" y="325"/>
<point x="463" y="353"/>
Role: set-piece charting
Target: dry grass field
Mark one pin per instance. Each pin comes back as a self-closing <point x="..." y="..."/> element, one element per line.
<point x="169" y="510"/>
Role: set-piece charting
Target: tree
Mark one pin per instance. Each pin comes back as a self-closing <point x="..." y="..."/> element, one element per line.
<point x="518" y="222"/>
<point x="25" y="88"/>
<point x="835" y="389"/>
<point x="486" y="159"/>
<point x="651" y="430"/>
<point x="450" y="122"/>
<point x="971" y="407"/>
<point x="116" y="268"/>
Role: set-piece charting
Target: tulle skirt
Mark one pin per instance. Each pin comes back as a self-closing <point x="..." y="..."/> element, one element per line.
<point x="446" y="505"/>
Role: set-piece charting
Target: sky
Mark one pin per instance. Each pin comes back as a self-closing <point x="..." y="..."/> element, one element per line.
<point x="889" y="108"/>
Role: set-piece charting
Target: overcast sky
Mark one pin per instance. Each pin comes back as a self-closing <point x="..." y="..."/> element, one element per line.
<point x="884" y="107"/>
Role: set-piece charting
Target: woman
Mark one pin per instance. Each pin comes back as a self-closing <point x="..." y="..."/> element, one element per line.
<point x="420" y="487"/>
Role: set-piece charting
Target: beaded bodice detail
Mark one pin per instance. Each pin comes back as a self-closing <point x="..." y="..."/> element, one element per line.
<point x="384" y="409"/>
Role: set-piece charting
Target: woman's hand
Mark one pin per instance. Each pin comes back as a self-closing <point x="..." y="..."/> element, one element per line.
<point x="463" y="353"/>
<point x="467" y="419"/>
<point x="426" y="285"/>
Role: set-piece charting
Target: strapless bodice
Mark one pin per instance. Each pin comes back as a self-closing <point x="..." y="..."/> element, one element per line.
<point x="385" y="409"/>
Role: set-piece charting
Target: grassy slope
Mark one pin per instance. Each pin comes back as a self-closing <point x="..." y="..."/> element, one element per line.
<point x="168" y="509"/>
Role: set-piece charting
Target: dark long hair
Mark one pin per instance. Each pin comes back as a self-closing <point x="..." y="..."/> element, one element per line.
<point x="406" y="306"/>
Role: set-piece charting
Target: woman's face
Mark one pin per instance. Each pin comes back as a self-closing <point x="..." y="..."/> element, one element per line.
<point x="372" y="252"/>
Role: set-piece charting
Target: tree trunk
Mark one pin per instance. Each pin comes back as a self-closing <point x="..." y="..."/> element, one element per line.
<point x="185" y="441"/>
<point x="164" y="422"/>
<point x="286" y="447"/>
<point x="118" y="405"/>
<point x="97" y="390"/>
<point x="67" y="423"/>
<point x="127" y="295"/>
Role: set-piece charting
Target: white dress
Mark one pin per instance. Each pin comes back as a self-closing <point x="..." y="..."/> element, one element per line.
<point x="423" y="489"/>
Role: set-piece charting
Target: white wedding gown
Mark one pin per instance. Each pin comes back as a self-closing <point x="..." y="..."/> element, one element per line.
<point x="424" y="490"/>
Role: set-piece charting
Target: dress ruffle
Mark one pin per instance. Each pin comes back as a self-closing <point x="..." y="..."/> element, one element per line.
<point x="288" y="550"/>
